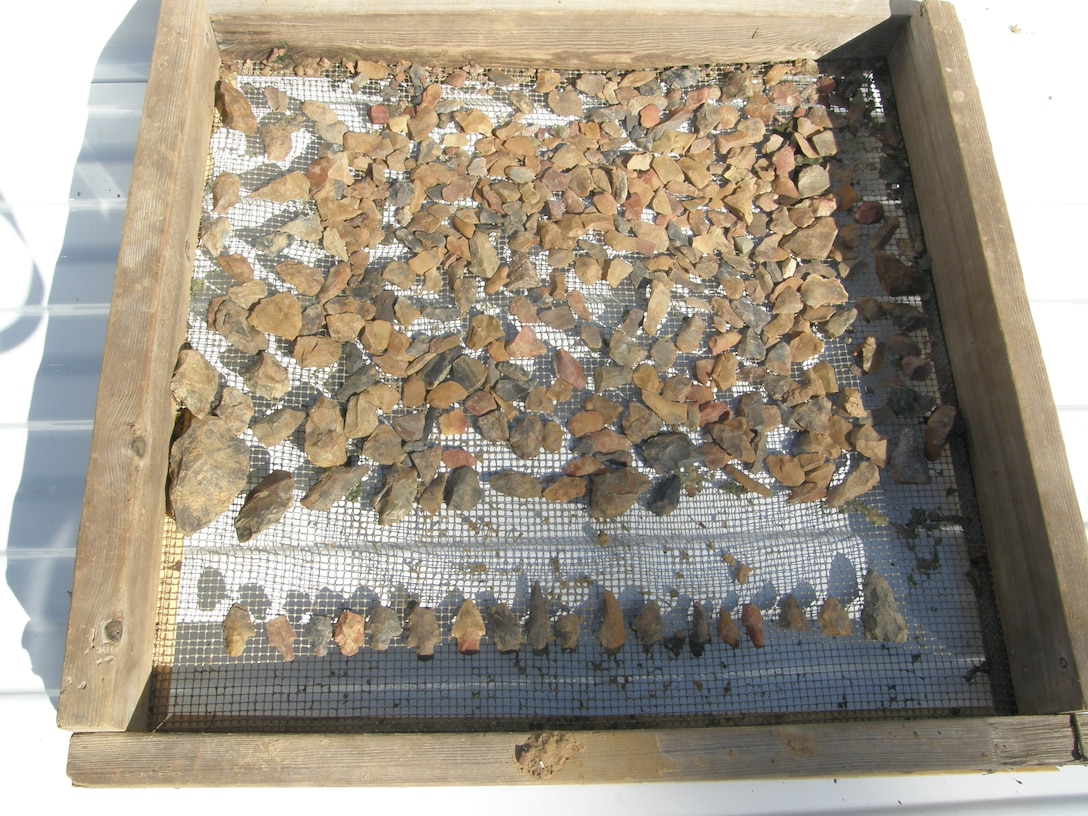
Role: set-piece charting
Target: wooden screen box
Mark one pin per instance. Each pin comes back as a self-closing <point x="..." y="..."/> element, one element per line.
<point x="1031" y="521"/>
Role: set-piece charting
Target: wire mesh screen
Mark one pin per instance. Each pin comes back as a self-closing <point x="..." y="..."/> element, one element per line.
<point x="722" y="547"/>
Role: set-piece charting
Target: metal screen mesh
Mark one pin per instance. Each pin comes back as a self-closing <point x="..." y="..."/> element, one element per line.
<point x="920" y="537"/>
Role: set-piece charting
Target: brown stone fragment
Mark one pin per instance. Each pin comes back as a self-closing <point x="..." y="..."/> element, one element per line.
<point x="454" y="423"/>
<point x="613" y="492"/>
<point x="747" y="482"/>
<point x="209" y="465"/>
<point x="234" y="108"/>
<point x="463" y="491"/>
<point x="506" y="629"/>
<point x="384" y="446"/>
<point x="349" y="633"/>
<point x="612" y="634"/>
<point x="526" y="438"/>
<point x="870" y="444"/>
<point x="384" y="625"/>
<point x="898" y="279"/>
<point x="482" y="330"/>
<point x="326" y="442"/>
<point x="237" y="630"/>
<point x="938" y="428"/>
<point x="565" y="488"/>
<point x="833" y="619"/>
<point x="786" y="470"/>
<point x="445" y="395"/>
<point x="567" y="629"/>
<point x="513" y="483"/>
<point x="276" y="136"/>
<point x="728" y="631"/>
<point x="319" y="632"/>
<point x="538" y="627"/>
<point x="235" y="408"/>
<point x="360" y="418"/>
<point x="640" y="423"/>
<point x="225" y="191"/>
<point x="231" y="321"/>
<point x="195" y="382"/>
<point x="869" y="212"/>
<point x="880" y="616"/>
<point x="247" y="294"/>
<point x="648" y="625"/>
<point x="566" y="103"/>
<point x="585" y="422"/>
<point x="279" y="315"/>
<point x="813" y="242"/>
<point x="277" y="426"/>
<point x="237" y="266"/>
<point x="281" y="637"/>
<point x="483" y="259"/>
<point x="422" y="632"/>
<point x="752" y="621"/>
<point x="291" y="187"/>
<point x="860" y="481"/>
<point x="334" y="484"/>
<point x="396" y="499"/>
<point x="656" y="307"/>
<point x="430" y="500"/>
<point x="493" y="426"/>
<point x="265" y="504"/>
<point x="817" y="290"/>
<point x="671" y="413"/>
<point x="552" y="438"/>
<point x="312" y="351"/>
<point x="468" y="628"/>
<point x="792" y="615"/>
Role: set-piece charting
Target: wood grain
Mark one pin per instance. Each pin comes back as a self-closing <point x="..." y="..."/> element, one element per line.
<point x="668" y="755"/>
<point x="523" y="33"/>
<point x="111" y="624"/>
<point x="1031" y="520"/>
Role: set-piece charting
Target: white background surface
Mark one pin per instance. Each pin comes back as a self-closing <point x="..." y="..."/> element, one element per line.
<point x="71" y="105"/>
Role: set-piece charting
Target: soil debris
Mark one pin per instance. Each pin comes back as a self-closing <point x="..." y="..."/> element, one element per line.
<point x="544" y="754"/>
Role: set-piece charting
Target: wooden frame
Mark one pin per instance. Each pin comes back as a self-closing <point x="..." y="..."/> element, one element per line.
<point x="1035" y="537"/>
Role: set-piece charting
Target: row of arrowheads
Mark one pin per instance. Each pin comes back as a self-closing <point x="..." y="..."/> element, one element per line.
<point x="880" y="617"/>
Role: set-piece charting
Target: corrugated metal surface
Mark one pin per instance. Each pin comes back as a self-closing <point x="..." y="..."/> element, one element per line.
<point x="65" y="162"/>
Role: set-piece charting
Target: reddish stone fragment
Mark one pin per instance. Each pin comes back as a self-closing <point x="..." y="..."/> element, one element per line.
<point x="569" y="370"/>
